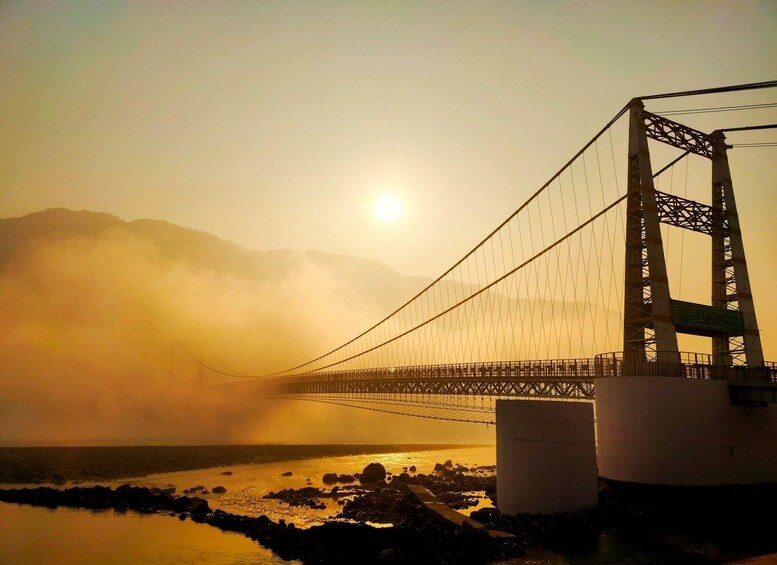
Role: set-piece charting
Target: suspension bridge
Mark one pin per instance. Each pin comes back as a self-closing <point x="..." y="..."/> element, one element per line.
<point x="573" y="286"/>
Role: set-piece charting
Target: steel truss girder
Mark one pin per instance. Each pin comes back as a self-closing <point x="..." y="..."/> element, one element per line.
<point x="688" y="214"/>
<point x="459" y="387"/>
<point x="558" y="378"/>
<point x="678" y="135"/>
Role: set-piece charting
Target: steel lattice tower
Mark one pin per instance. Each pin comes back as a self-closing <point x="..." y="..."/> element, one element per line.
<point x="652" y="319"/>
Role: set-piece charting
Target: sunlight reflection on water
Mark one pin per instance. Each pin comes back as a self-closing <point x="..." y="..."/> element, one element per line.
<point x="39" y="535"/>
<point x="249" y="483"/>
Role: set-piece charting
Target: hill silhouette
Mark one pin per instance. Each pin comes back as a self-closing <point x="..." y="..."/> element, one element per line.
<point x="371" y="281"/>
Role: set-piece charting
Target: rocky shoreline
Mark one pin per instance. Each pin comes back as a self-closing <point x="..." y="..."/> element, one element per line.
<point x="659" y="525"/>
<point x="416" y="539"/>
<point x="455" y="485"/>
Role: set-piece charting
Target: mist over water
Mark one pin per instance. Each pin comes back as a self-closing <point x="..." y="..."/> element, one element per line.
<point x="99" y="327"/>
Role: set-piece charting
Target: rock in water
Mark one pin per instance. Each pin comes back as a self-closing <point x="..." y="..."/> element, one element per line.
<point x="373" y="473"/>
<point x="330" y="478"/>
<point x="486" y="515"/>
<point x="287" y="474"/>
<point x="219" y="490"/>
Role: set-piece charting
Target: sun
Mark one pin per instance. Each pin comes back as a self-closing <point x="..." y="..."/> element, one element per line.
<point x="387" y="208"/>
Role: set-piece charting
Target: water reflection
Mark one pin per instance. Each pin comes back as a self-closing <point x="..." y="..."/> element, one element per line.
<point x="249" y="483"/>
<point x="38" y="535"/>
<point x="34" y="535"/>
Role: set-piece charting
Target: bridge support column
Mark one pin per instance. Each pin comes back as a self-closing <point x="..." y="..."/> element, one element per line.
<point x="545" y="456"/>
<point x="682" y="432"/>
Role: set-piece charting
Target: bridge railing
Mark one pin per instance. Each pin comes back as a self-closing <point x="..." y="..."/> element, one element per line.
<point x="692" y="365"/>
<point x="556" y="369"/>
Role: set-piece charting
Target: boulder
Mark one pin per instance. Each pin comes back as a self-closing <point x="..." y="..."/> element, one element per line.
<point x="439" y="467"/>
<point x="194" y="506"/>
<point x="373" y="473"/>
<point x="345" y="478"/>
<point x="287" y="474"/>
<point x="412" y="469"/>
<point x="330" y="478"/>
<point x="486" y="515"/>
<point x="219" y="490"/>
<point x="307" y="497"/>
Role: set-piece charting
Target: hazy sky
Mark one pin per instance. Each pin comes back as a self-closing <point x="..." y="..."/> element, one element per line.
<point x="277" y="124"/>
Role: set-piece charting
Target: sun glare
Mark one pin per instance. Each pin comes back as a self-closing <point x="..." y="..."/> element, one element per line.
<point x="387" y="208"/>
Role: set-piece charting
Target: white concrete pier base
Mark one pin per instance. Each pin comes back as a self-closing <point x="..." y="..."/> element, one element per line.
<point x="545" y="456"/>
<point x="675" y="431"/>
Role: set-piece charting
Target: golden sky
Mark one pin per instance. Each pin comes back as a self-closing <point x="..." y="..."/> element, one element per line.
<point x="277" y="124"/>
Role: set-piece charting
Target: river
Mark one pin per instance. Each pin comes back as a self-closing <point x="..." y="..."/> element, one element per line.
<point x="38" y="535"/>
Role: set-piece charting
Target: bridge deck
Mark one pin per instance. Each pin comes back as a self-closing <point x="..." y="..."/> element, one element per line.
<point x="562" y="378"/>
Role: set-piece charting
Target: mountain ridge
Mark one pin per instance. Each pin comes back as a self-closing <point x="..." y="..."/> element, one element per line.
<point x="60" y="220"/>
<point x="372" y="280"/>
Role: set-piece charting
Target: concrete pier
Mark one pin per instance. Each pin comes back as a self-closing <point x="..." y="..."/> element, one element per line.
<point x="545" y="456"/>
<point x="678" y="431"/>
